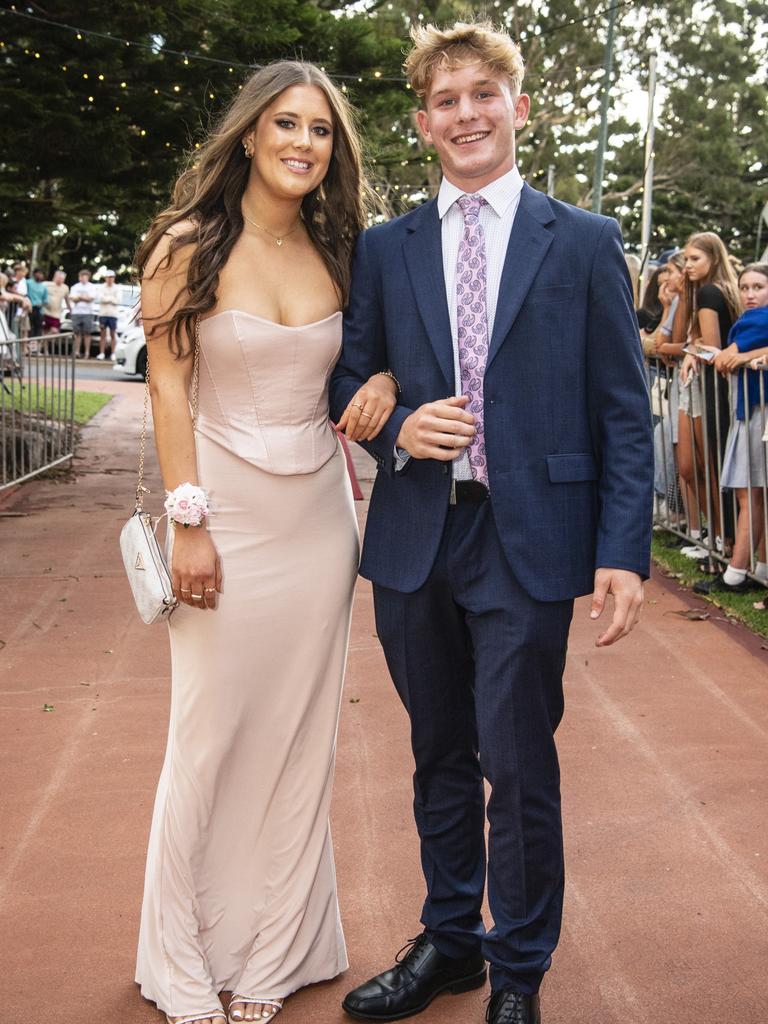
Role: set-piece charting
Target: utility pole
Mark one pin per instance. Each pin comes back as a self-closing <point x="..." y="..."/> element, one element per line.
<point x="647" y="215"/>
<point x="605" y="98"/>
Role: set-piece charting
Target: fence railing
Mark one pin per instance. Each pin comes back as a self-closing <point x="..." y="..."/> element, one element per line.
<point x="711" y="467"/>
<point x="37" y="405"/>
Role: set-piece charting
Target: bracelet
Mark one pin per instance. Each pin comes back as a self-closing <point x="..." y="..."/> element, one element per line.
<point x="187" y="505"/>
<point x="388" y="373"/>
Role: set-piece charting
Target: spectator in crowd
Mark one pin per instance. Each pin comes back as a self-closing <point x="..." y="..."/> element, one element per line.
<point x="744" y="463"/>
<point x="58" y="297"/>
<point x="711" y="304"/>
<point x="82" y="296"/>
<point x="37" y="291"/>
<point x="10" y="300"/>
<point x="660" y="345"/>
<point x="21" y="313"/>
<point x="108" y="306"/>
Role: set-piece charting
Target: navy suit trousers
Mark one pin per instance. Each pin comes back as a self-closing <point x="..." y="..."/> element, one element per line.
<point x="478" y="664"/>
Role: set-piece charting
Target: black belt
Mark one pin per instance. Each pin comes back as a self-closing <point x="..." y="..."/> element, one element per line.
<point x="468" y="491"/>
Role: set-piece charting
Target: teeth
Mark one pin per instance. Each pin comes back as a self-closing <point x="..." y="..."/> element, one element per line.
<point x="298" y="163"/>
<point x="471" y="138"/>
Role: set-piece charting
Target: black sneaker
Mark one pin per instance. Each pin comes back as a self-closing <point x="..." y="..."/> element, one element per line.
<point x="717" y="583"/>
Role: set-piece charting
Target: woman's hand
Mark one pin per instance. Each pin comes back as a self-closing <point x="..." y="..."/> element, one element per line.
<point x="760" y="363"/>
<point x="689" y="369"/>
<point x="728" y="359"/>
<point x="195" y="567"/>
<point x="370" y="408"/>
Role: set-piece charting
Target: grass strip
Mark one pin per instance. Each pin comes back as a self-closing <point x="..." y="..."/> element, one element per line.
<point x="686" y="572"/>
<point x="51" y="404"/>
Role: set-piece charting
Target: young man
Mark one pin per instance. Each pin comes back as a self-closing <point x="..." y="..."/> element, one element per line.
<point x="58" y="297"/>
<point x="82" y="296"/>
<point x="492" y="511"/>
<point x="22" y="311"/>
<point x="37" y="291"/>
<point x="108" y="308"/>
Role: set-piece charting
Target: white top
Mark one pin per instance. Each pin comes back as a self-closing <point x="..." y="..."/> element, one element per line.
<point x="82" y="308"/>
<point x="497" y="215"/>
<point x="109" y="300"/>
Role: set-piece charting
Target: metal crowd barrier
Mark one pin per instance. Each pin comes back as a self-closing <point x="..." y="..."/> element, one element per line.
<point x="37" y="405"/>
<point x="703" y="500"/>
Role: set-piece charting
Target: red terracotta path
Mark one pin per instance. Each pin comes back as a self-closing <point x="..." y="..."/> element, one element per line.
<point x="665" y="777"/>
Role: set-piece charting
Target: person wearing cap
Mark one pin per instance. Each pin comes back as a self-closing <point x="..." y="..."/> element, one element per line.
<point x="108" y="303"/>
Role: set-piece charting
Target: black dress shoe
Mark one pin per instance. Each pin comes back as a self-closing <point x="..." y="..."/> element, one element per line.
<point x="411" y="985"/>
<point x="509" y="1007"/>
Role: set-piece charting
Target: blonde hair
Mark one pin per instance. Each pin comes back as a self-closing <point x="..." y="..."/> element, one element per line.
<point x="464" y="43"/>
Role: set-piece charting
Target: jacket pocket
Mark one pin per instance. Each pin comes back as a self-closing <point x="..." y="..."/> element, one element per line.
<point x="564" y="469"/>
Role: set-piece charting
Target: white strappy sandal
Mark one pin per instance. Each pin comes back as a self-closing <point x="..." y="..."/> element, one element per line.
<point x="191" y="1018"/>
<point x="274" y="1005"/>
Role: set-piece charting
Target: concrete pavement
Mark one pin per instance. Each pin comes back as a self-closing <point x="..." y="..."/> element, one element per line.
<point x="664" y="762"/>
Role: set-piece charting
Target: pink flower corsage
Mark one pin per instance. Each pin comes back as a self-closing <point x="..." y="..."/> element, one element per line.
<point x="187" y="505"/>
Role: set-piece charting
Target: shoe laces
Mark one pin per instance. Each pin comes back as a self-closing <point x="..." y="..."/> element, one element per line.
<point x="413" y="950"/>
<point x="512" y="1010"/>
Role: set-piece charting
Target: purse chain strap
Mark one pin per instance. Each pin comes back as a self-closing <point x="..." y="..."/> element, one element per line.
<point x="141" y="490"/>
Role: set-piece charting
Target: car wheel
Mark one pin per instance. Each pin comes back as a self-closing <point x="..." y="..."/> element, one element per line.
<point x="141" y="363"/>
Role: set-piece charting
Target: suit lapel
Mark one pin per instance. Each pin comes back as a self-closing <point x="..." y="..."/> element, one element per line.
<point x="423" y="253"/>
<point x="528" y="245"/>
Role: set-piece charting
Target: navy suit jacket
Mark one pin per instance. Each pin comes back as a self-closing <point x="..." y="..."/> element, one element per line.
<point x="567" y="417"/>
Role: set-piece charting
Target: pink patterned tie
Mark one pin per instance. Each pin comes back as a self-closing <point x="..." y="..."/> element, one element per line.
<point x="472" y="323"/>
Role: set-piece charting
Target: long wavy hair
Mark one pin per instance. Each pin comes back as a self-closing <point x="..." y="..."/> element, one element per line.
<point x="721" y="274"/>
<point x="209" y="192"/>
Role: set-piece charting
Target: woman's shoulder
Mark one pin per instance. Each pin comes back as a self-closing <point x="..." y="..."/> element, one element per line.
<point x="171" y="254"/>
<point x="709" y="296"/>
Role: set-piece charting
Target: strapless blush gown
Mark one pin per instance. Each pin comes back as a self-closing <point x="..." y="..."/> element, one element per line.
<point x="240" y="889"/>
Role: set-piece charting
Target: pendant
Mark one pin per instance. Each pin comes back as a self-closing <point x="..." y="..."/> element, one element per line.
<point x="279" y="241"/>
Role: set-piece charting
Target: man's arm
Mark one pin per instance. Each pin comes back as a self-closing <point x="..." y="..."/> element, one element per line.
<point x="621" y="425"/>
<point x="364" y="353"/>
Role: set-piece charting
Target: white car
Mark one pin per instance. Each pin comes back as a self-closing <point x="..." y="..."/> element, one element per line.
<point x="130" y="355"/>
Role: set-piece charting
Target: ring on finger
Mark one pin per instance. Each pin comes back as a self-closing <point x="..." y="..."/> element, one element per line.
<point x="356" y="405"/>
<point x="210" y="590"/>
<point x="197" y="597"/>
<point x="368" y="415"/>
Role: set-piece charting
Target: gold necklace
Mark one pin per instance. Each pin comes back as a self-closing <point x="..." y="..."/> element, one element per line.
<point x="261" y="227"/>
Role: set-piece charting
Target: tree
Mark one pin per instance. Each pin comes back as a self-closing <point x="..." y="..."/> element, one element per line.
<point x="89" y="160"/>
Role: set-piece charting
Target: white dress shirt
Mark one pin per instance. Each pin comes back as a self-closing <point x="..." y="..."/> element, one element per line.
<point x="497" y="215"/>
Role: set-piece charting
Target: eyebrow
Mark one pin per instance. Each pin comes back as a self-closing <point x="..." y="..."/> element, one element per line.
<point x="297" y="117"/>
<point x="475" y="85"/>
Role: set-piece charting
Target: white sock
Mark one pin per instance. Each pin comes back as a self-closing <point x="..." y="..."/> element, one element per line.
<point x="733" y="576"/>
<point x="695" y="534"/>
<point x="761" y="570"/>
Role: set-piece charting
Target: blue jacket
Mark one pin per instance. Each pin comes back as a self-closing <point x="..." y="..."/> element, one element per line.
<point x="567" y="416"/>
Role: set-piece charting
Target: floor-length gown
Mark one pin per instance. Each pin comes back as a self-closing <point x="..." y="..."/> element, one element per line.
<point x="240" y="889"/>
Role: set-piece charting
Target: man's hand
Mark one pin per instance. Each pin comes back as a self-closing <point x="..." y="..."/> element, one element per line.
<point x="627" y="590"/>
<point x="438" y="430"/>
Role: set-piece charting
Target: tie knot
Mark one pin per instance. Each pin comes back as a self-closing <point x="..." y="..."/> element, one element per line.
<point x="470" y="207"/>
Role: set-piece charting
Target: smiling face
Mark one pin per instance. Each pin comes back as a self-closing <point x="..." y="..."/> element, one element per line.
<point x="753" y="287"/>
<point x="697" y="264"/>
<point x="292" y="143"/>
<point x="470" y="118"/>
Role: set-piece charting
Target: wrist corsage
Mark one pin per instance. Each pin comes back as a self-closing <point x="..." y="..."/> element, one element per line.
<point x="187" y="505"/>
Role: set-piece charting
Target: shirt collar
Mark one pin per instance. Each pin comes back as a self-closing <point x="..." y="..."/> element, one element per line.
<point x="499" y="194"/>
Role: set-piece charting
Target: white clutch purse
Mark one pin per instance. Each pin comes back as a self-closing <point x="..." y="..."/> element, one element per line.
<point x="143" y="558"/>
<point x="146" y="568"/>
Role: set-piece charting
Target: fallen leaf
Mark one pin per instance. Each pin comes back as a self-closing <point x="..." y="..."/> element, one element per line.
<point x="48" y="707"/>
<point x="354" y="700"/>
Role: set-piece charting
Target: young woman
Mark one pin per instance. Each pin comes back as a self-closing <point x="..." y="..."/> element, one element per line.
<point x="240" y="891"/>
<point x="711" y="303"/>
<point x="744" y="463"/>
